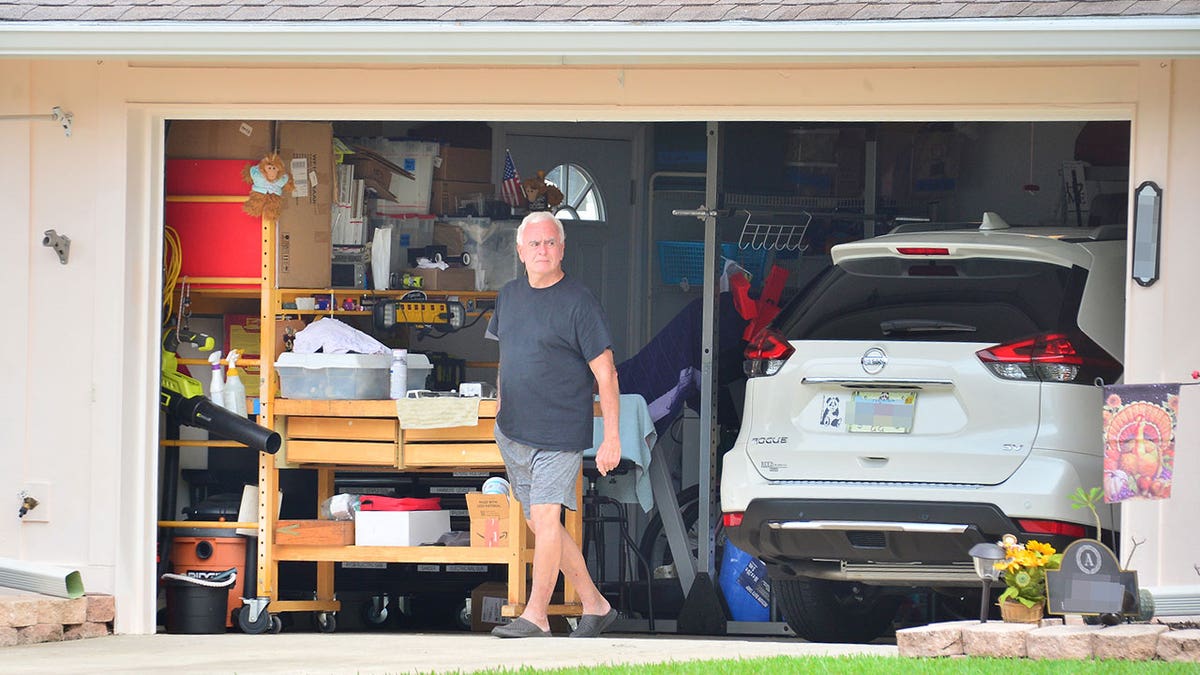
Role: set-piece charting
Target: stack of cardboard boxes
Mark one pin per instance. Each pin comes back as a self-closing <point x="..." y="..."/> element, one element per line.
<point x="221" y="232"/>
<point x="415" y="178"/>
<point x="461" y="175"/>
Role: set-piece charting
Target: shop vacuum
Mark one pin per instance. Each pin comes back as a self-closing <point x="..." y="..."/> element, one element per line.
<point x="182" y="398"/>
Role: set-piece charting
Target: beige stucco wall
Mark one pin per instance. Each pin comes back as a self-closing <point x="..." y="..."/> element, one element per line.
<point x="81" y="339"/>
<point x="1161" y="326"/>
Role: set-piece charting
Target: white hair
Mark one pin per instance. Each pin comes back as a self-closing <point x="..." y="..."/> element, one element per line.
<point x="539" y="216"/>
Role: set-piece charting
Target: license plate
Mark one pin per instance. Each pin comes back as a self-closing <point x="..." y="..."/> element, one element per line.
<point x="882" y="412"/>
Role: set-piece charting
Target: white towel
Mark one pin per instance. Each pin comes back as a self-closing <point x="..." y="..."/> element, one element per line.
<point x="437" y="412"/>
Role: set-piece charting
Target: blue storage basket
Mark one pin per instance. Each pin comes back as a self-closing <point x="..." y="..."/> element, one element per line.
<point x="680" y="260"/>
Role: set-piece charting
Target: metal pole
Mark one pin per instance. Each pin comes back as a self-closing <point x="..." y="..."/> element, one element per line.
<point x="983" y="601"/>
<point x="708" y="350"/>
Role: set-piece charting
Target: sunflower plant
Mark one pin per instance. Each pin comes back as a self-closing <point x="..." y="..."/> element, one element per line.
<point x="1025" y="568"/>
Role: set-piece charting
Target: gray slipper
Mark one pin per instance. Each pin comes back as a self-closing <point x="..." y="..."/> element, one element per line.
<point x="520" y="628"/>
<point x="592" y="625"/>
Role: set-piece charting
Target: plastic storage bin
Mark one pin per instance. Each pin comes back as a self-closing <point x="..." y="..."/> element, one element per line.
<point x="680" y="260"/>
<point x="419" y="369"/>
<point x="334" y="376"/>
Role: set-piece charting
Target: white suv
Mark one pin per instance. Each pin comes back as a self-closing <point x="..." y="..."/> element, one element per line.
<point x="930" y="391"/>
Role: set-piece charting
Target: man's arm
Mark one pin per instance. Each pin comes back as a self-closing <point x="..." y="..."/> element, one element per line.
<point x="608" y="455"/>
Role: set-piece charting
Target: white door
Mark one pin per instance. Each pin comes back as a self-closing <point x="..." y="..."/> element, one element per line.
<point x="598" y="251"/>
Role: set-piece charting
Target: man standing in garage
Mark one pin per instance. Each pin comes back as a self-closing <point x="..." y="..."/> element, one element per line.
<point x="554" y="344"/>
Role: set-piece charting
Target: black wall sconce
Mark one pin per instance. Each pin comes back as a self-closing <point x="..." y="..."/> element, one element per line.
<point x="1147" y="232"/>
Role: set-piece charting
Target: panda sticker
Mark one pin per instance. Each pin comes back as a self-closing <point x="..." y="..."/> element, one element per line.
<point x="832" y="414"/>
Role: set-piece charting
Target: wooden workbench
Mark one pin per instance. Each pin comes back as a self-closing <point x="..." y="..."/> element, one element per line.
<point x="333" y="435"/>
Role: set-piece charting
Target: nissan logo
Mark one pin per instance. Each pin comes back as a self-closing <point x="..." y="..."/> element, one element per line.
<point x="873" y="361"/>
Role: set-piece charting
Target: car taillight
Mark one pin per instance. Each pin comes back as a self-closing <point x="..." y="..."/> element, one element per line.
<point x="767" y="353"/>
<point x="733" y="519"/>
<point x="1052" y="527"/>
<point x="922" y="250"/>
<point x="1053" y="357"/>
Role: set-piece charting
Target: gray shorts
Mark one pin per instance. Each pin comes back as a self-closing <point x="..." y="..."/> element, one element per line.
<point x="540" y="476"/>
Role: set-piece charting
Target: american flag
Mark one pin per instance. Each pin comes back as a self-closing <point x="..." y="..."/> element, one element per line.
<point x="510" y="187"/>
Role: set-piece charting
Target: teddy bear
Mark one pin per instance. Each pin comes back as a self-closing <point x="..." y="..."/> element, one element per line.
<point x="270" y="182"/>
<point x="542" y="196"/>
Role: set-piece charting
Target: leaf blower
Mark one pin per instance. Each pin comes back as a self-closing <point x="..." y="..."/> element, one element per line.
<point x="182" y="398"/>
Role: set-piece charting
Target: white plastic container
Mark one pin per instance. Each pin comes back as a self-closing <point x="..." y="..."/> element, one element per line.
<point x="333" y="376"/>
<point x="234" y="395"/>
<point x="216" y="383"/>
<point x="419" y="369"/>
<point x="398" y="374"/>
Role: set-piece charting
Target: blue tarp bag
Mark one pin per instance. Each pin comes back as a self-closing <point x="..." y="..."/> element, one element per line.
<point x="745" y="585"/>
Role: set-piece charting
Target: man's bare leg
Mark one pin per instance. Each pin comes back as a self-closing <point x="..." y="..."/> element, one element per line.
<point x="574" y="568"/>
<point x="548" y="534"/>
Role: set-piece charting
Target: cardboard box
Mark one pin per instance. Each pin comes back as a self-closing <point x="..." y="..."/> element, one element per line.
<point x="304" y="246"/>
<point x="445" y="195"/>
<point x="416" y="158"/>
<point x="242" y="332"/>
<point x="463" y="164"/>
<point x="451" y="279"/>
<point x="219" y="139"/>
<point x="489" y="519"/>
<point x="314" y="532"/>
<point x="487" y="603"/>
<point x="399" y="528"/>
<point x="450" y="236"/>
<point x="384" y="177"/>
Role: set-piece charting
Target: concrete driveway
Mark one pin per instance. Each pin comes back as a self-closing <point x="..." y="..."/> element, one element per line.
<point x="386" y="652"/>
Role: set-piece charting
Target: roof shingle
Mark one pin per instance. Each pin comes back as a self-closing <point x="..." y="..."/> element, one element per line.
<point x="640" y="11"/>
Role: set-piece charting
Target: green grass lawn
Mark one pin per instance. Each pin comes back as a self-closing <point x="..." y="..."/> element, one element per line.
<point x="870" y="665"/>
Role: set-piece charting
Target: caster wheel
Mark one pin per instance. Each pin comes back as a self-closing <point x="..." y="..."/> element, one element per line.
<point x="276" y="624"/>
<point x="466" y="259"/>
<point x="258" y="626"/>
<point x="326" y="622"/>
<point x="375" y="612"/>
<point x="463" y="618"/>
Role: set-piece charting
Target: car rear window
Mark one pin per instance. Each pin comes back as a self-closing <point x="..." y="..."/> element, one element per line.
<point x="969" y="300"/>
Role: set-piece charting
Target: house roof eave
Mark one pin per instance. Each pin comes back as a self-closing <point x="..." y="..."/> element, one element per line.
<point x="608" y="42"/>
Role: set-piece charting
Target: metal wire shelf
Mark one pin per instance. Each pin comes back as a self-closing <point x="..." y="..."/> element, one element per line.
<point x="774" y="237"/>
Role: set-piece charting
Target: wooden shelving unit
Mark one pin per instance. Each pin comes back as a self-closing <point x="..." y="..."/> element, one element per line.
<point x="332" y="435"/>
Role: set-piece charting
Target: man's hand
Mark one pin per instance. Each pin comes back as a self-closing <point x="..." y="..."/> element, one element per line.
<point x="608" y="456"/>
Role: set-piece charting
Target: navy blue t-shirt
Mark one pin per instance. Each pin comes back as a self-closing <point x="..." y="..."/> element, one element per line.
<point x="547" y="337"/>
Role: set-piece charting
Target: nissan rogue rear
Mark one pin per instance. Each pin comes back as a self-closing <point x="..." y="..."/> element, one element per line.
<point x="930" y="391"/>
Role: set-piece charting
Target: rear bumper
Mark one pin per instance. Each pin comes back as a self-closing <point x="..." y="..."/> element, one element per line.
<point x="885" y="542"/>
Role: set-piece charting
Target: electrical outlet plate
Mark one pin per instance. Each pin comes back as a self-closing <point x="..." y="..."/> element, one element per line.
<point x="41" y="492"/>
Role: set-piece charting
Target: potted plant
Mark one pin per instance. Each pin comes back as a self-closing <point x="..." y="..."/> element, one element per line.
<point x="1025" y="565"/>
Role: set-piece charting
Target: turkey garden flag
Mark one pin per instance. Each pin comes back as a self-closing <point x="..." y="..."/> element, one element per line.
<point x="1139" y="440"/>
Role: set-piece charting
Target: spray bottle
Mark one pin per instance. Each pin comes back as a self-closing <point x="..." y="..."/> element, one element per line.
<point x="235" y="391"/>
<point x="216" y="386"/>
